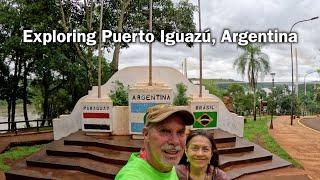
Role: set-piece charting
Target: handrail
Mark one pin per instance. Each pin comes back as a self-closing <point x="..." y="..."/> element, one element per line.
<point x="16" y="129"/>
<point x="26" y="121"/>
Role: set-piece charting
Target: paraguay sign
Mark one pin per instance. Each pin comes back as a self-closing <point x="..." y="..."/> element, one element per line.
<point x="96" y="116"/>
<point x="205" y="113"/>
<point x="140" y="100"/>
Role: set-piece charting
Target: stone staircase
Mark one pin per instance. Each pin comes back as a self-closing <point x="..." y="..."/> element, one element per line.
<point x="80" y="156"/>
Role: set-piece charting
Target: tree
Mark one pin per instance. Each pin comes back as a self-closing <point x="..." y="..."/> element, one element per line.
<point x="181" y="99"/>
<point x="167" y="16"/>
<point x="252" y="62"/>
<point x="236" y="91"/>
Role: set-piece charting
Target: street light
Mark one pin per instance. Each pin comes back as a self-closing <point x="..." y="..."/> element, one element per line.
<point x="150" y="44"/>
<point x="100" y="52"/>
<point x="200" y="52"/>
<point x="272" y="109"/>
<point x="292" y="95"/>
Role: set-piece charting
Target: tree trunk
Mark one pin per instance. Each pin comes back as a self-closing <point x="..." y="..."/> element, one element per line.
<point x="90" y="67"/>
<point x="9" y="112"/>
<point x="115" y="60"/>
<point x="116" y="53"/>
<point x="254" y="105"/>
<point x="14" y="93"/>
<point x="25" y="95"/>
<point x="45" y="104"/>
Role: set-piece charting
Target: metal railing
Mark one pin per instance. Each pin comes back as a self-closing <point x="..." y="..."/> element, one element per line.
<point x="48" y="124"/>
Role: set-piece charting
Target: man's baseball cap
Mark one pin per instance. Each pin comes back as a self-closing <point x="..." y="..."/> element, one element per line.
<point x="160" y="112"/>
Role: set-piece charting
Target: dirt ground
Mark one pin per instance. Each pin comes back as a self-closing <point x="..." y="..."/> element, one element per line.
<point x="303" y="144"/>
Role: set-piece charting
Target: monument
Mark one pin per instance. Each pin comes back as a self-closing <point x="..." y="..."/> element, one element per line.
<point x="97" y="138"/>
<point x="141" y="97"/>
<point x="93" y="114"/>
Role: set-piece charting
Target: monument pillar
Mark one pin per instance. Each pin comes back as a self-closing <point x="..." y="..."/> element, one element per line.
<point x="205" y="111"/>
<point x="141" y="97"/>
<point x="97" y="114"/>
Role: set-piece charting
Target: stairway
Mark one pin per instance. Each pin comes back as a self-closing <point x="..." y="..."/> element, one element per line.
<point x="80" y="156"/>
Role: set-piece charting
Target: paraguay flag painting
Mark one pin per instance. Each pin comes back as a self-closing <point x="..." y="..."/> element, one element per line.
<point x="96" y="117"/>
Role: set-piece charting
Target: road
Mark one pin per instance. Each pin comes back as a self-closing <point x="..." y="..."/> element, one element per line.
<point x="313" y="123"/>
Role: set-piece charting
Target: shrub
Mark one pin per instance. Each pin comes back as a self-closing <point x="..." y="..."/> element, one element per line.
<point x="181" y="99"/>
<point x="119" y="96"/>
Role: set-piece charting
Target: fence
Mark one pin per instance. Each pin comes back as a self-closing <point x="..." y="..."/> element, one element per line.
<point x="37" y="128"/>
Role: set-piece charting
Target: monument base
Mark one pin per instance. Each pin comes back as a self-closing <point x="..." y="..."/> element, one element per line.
<point x="137" y="136"/>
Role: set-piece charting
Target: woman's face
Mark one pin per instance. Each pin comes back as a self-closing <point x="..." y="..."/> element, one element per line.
<point x="199" y="151"/>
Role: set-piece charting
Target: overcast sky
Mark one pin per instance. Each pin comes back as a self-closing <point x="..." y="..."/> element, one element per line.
<point x="241" y="15"/>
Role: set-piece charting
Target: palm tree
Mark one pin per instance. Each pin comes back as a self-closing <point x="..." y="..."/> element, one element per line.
<point x="253" y="62"/>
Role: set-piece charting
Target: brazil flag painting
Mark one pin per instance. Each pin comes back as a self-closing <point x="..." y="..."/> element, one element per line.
<point x="205" y="119"/>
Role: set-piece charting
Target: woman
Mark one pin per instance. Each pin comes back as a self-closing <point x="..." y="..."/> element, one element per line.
<point x="201" y="158"/>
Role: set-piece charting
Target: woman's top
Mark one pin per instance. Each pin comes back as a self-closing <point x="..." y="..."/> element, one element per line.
<point x="213" y="173"/>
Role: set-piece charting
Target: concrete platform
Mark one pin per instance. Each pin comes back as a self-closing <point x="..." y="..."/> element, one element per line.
<point x="100" y="157"/>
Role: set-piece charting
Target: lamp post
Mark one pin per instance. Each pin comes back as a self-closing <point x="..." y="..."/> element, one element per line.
<point x="292" y="94"/>
<point x="100" y="52"/>
<point x="273" y="106"/>
<point x="200" y="52"/>
<point x="150" y="44"/>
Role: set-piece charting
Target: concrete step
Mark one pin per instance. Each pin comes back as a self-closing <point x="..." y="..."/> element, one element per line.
<point x="239" y="146"/>
<point x="125" y="143"/>
<point x="221" y="136"/>
<point x="259" y="154"/>
<point x="58" y="148"/>
<point x="236" y="171"/>
<point x="119" y="143"/>
<point x="22" y="171"/>
<point x="102" y="157"/>
<point x="84" y="165"/>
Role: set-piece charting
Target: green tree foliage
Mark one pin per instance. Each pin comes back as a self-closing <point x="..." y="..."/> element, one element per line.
<point x="236" y="91"/>
<point x="119" y="95"/>
<point x="56" y="75"/>
<point x="133" y="16"/>
<point x="252" y="62"/>
<point x="212" y="88"/>
<point x="181" y="99"/>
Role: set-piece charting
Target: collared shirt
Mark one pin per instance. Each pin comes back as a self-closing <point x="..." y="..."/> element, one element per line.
<point x="139" y="169"/>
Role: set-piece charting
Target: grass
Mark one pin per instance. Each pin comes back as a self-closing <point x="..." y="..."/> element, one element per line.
<point x="7" y="158"/>
<point x="257" y="132"/>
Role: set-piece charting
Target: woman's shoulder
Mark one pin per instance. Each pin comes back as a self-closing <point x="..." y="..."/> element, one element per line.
<point x="221" y="175"/>
<point x="182" y="171"/>
<point x="217" y="173"/>
<point x="182" y="167"/>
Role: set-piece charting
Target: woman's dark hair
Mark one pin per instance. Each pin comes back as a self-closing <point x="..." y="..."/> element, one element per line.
<point x="215" y="156"/>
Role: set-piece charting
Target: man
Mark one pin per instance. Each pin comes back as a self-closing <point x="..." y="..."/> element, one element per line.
<point x="164" y="143"/>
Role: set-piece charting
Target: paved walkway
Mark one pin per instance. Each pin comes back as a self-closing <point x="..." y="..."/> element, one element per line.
<point x="303" y="144"/>
<point x="24" y="138"/>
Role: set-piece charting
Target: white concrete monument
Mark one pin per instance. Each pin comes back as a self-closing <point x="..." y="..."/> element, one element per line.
<point x="213" y="112"/>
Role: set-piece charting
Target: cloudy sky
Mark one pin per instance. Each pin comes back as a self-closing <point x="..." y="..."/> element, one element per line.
<point x="241" y="15"/>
